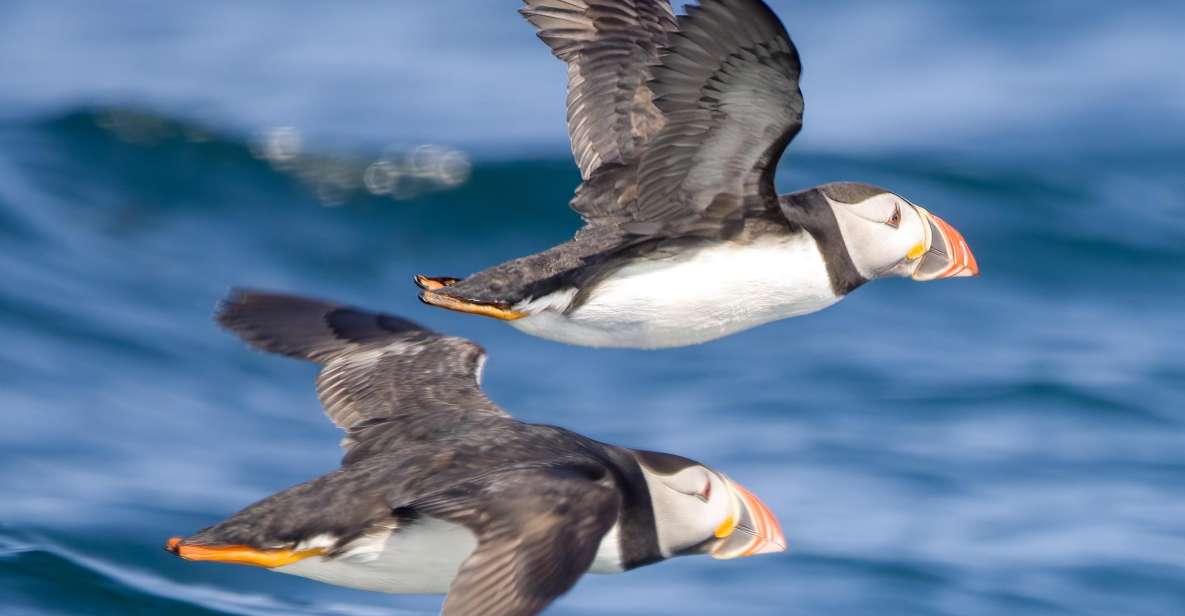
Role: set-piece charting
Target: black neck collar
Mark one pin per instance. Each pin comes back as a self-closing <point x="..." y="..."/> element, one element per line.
<point x="811" y="211"/>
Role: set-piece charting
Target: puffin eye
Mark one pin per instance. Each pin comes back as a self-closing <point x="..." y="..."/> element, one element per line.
<point x="895" y="219"/>
<point x="705" y="493"/>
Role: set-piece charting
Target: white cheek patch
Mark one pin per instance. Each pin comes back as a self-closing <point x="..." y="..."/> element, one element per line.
<point x="860" y="240"/>
<point x="674" y="517"/>
<point x="878" y="249"/>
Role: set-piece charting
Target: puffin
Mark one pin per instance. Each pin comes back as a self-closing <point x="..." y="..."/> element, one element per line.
<point x="441" y="491"/>
<point x="677" y="125"/>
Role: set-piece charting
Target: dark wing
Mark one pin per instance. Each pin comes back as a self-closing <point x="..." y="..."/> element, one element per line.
<point x="728" y="88"/>
<point x="609" y="46"/>
<point x="538" y="530"/>
<point x="375" y="366"/>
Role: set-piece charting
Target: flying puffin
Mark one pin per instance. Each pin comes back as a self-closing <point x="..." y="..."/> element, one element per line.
<point x="441" y="491"/>
<point x="677" y="126"/>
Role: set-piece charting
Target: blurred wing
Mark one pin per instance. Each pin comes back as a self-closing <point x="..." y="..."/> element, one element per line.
<point x="537" y="530"/>
<point x="375" y="366"/>
<point x="609" y="46"/>
<point x="728" y="87"/>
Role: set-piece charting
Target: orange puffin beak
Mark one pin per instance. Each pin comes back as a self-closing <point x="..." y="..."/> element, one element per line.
<point x="238" y="554"/>
<point x="752" y="529"/>
<point x="946" y="253"/>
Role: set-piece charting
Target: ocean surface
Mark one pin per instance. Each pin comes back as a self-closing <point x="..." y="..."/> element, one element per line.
<point x="1012" y="444"/>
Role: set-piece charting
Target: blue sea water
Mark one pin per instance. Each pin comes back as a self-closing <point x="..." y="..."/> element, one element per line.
<point x="1012" y="444"/>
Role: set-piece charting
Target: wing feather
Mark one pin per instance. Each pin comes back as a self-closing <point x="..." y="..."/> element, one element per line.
<point x="375" y="367"/>
<point x="609" y="47"/>
<point x="728" y="88"/>
<point x="538" y="530"/>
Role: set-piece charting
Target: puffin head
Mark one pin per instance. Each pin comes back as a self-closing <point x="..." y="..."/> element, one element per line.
<point x="886" y="235"/>
<point x="698" y="510"/>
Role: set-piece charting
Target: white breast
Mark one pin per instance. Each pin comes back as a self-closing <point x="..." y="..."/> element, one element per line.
<point x="422" y="558"/>
<point x="608" y="558"/>
<point x="688" y="299"/>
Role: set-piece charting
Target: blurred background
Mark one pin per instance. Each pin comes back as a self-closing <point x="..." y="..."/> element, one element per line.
<point x="1013" y="444"/>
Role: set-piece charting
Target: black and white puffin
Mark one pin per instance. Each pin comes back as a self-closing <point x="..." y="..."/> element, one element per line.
<point x="441" y="491"/>
<point x="677" y="126"/>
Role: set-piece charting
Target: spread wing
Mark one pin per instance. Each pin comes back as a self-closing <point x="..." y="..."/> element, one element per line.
<point x="728" y="88"/>
<point x="725" y="85"/>
<point x="376" y="368"/>
<point x="538" y="530"/>
<point x="609" y="47"/>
